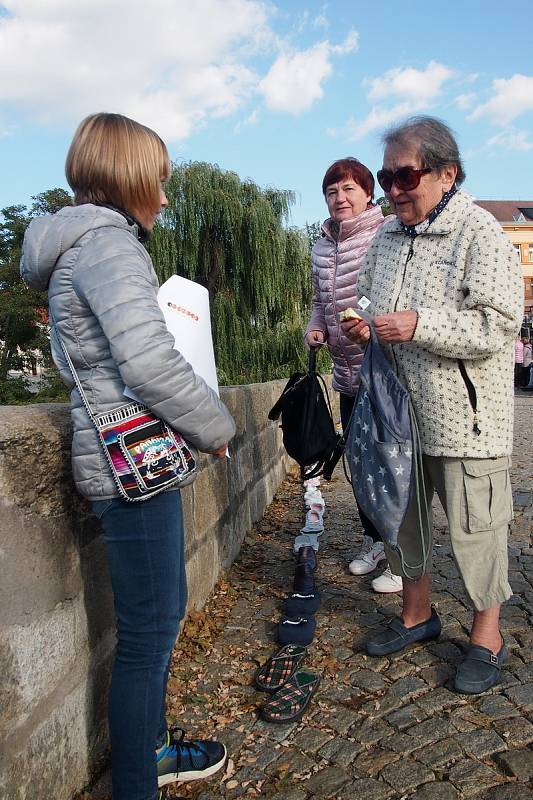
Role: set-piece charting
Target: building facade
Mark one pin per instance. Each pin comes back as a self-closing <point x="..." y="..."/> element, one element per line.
<point x="516" y="219"/>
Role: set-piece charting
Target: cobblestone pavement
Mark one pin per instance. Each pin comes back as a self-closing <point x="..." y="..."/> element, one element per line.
<point x="379" y="728"/>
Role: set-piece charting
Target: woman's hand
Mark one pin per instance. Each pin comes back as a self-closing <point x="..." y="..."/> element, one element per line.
<point x="397" y="327"/>
<point x="220" y="452"/>
<point x="314" y="339"/>
<point x="357" y="330"/>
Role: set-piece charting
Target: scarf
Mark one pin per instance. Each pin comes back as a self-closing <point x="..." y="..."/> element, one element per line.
<point x="415" y="230"/>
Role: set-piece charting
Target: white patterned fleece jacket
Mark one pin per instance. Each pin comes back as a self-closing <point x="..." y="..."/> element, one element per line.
<point x="465" y="282"/>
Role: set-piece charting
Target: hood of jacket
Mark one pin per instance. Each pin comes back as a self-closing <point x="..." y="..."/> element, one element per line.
<point x="49" y="237"/>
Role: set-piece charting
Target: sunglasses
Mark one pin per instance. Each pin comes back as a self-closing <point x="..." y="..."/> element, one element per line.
<point x="405" y="178"/>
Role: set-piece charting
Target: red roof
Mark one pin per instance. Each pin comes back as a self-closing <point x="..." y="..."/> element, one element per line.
<point x="508" y="210"/>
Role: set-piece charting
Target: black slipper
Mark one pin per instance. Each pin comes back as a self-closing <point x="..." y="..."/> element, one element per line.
<point x="296" y="630"/>
<point x="301" y="604"/>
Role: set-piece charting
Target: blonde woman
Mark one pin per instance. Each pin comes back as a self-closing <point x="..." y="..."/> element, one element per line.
<point x="102" y="293"/>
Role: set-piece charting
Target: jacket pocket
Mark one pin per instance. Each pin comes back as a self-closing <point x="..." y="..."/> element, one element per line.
<point x="487" y="492"/>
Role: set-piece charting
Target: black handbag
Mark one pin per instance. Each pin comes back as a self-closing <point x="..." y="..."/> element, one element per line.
<point x="309" y="434"/>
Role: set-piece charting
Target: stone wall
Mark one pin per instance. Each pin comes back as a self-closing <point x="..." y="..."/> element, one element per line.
<point x="56" y="620"/>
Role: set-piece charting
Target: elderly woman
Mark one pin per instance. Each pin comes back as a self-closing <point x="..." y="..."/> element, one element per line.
<point x="446" y="292"/>
<point x="348" y="188"/>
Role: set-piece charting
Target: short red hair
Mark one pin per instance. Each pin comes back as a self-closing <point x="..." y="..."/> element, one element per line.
<point x="349" y="168"/>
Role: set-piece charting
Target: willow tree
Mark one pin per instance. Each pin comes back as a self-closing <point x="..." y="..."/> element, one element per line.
<point x="231" y="236"/>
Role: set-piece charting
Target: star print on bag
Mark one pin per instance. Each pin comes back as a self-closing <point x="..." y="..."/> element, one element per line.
<point x="382" y="443"/>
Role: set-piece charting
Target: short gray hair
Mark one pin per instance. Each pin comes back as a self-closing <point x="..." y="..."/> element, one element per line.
<point x="433" y="140"/>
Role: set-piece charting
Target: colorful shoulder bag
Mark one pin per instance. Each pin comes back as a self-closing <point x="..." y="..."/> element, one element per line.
<point x="145" y="455"/>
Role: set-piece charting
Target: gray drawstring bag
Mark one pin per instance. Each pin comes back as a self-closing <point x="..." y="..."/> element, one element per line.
<point x="383" y="450"/>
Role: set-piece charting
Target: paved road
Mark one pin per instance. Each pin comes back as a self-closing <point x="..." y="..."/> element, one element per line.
<point x="378" y="729"/>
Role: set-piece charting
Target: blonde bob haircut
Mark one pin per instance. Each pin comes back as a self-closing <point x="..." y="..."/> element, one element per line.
<point x="117" y="161"/>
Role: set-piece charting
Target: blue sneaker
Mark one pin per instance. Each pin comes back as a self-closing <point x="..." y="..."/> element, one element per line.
<point x="180" y="760"/>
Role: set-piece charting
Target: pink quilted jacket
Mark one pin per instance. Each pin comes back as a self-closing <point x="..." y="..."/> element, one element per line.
<point x="335" y="264"/>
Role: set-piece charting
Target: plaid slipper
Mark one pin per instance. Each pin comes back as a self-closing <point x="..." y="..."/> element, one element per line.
<point x="290" y="702"/>
<point x="280" y="668"/>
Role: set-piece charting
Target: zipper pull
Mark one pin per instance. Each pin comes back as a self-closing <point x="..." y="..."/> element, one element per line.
<point x="476" y="428"/>
<point x="410" y="253"/>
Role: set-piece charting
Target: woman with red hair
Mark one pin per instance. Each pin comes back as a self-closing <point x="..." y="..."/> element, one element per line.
<point x="354" y="220"/>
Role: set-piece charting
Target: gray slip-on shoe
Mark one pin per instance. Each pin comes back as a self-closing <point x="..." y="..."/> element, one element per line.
<point x="397" y="636"/>
<point x="479" y="670"/>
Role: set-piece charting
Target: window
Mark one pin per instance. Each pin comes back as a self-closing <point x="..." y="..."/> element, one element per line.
<point x="517" y="248"/>
<point x="530" y="252"/>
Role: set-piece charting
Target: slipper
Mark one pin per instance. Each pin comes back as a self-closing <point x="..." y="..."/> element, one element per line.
<point x="296" y="630"/>
<point x="290" y="702"/>
<point x="315" y="501"/>
<point x="314" y="521"/>
<point x="308" y="556"/>
<point x="279" y="668"/>
<point x="305" y="540"/>
<point x="304" y="579"/>
<point x="479" y="670"/>
<point x="312" y="492"/>
<point x="302" y="604"/>
<point x="306" y="564"/>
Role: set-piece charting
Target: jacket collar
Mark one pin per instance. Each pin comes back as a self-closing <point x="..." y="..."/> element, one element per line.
<point x="369" y="219"/>
<point x="139" y="230"/>
<point x="445" y="222"/>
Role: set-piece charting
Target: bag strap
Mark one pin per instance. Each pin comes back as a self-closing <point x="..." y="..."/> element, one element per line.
<point x="72" y="370"/>
<point x="312" y="360"/>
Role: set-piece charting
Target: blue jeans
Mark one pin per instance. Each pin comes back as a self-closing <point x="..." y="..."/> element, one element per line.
<point x="145" y="552"/>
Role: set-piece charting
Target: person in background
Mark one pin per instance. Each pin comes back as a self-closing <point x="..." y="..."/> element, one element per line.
<point x="102" y="291"/>
<point x="348" y="189"/>
<point x="447" y="295"/>
<point x="526" y="362"/>
<point x="518" y="361"/>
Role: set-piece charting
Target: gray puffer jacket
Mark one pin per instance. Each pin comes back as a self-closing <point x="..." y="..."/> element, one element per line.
<point x="102" y="292"/>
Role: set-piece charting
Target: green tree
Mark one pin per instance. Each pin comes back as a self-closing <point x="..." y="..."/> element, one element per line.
<point x="23" y="311"/>
<point x="313" y="231"/>
<point x="230" y="236"/>
<point x="385" y="206"/>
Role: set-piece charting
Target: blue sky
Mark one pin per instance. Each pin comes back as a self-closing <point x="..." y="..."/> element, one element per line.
<point x="274" y="91"/>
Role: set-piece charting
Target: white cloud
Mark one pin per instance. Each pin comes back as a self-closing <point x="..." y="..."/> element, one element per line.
<point x="410" y="90"/>
<point x="418" y="86"/>
<point x="248" y="122"/>
<point x="170" y="64"/>
<point x="350" y="44"/>
<point x="512" y="140"/>
<point x="321" y="21"/>
<point x="378" y="118"/>
<point x="465" y="101"/>
<point x="294" y="81"/>
<point x="512" y="97"/>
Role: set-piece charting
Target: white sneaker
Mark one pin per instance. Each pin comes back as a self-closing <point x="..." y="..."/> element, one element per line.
<point x="369" y="557"/>
<point x="387" y="583"/>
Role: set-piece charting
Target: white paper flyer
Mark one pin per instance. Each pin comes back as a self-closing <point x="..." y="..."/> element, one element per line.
<point x="185" y="306"/>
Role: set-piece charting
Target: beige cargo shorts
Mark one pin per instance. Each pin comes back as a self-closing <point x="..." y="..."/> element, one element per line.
<point x="477" y="499"/>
